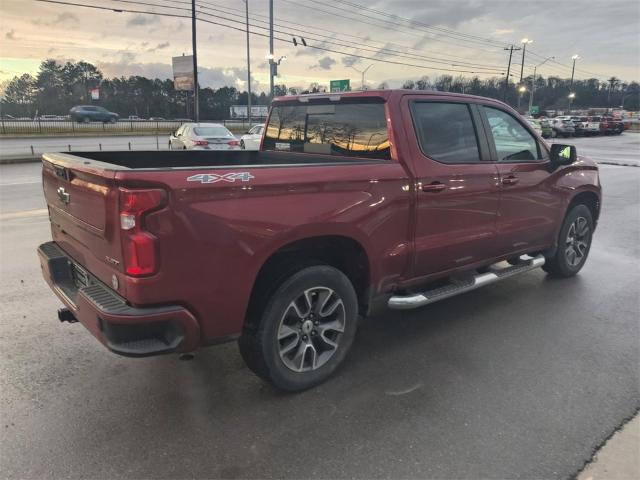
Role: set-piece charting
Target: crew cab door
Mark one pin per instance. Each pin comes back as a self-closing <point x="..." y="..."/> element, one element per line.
<point x="528" y="211"/>
<point x="456" y="190"/>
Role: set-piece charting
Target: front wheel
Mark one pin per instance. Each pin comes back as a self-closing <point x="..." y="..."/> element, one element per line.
<point x="574" y="243"/>
<point x="304" y="330"/>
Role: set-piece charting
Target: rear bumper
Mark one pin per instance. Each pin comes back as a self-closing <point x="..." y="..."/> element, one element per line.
<point x="123" y="329"/>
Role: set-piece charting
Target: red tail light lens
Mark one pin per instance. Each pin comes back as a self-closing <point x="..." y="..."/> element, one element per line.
<point x="139" y="246"/>
<point x="233" y="143"/>
<point x="201" y="143"/>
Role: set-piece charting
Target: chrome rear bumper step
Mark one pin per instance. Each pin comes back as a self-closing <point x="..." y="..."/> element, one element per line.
<point x="456" y="287"/>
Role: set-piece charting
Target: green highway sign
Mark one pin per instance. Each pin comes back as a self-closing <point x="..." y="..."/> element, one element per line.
<point x="339" y="86"/>
<point x="535" y="109"/>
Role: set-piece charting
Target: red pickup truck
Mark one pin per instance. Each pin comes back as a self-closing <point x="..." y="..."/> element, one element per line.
<point x="355" y="202"/>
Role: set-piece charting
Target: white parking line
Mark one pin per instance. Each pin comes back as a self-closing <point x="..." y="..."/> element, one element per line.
<point x="24" y="214"/>
<point x="19" y="183"/>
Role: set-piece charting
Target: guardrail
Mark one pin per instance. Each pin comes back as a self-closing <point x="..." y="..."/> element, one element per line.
<point x="44" y="127"/>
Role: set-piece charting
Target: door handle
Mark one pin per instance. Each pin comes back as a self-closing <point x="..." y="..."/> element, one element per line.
<point x="510" y="180"/>
<point x="434" y="187"/>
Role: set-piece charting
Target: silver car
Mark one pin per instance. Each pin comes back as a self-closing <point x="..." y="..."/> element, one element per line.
<point x="203" y="136"/>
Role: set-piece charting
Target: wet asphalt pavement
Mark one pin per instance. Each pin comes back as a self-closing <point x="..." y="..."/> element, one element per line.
<point x="520" y="379"/>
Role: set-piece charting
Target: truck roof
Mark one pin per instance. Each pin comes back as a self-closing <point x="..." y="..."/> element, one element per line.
<point x="385" y="94"/>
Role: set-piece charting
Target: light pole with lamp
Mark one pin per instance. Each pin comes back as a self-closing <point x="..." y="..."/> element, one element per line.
<point x="521" y="90"/>
<point x="362" y="72"/>
<point x="246" y="4"/>
<point x="273" y="64"/>
<point x="525" y="42"/>
<point x="572" y="95"/>
<point x="533" y="83"/>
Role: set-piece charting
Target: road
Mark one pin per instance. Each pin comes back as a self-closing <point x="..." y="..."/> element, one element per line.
<point x="521" y="379"/>
<point x="617" y="149"/>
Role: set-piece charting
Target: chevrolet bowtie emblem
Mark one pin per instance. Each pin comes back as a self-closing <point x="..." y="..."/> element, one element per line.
<point x="64" y="196"/>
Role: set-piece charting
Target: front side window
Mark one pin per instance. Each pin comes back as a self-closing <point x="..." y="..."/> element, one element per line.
<point x="348" y="129"/>
<point x="446" y="132"/>
<point x="513" y="142"/>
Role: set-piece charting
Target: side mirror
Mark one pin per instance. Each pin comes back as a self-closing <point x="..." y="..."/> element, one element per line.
<point x="563" y="154"/>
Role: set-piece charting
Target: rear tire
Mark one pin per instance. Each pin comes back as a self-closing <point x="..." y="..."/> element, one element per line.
<point x="304" y="329"/>
<point x="574" y="243"/>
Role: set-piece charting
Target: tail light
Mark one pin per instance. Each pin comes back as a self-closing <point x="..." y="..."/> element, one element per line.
<point x="139" y="246"/>
<point x="201" y="143"/>
<point x="233" y="143"/>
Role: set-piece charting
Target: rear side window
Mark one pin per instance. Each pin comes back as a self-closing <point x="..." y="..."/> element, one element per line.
<point x="513" y="142"/>
<point x="446" y="132"/>
<point x="349" y="129"/>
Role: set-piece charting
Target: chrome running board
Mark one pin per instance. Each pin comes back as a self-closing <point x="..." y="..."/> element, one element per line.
<point x="456" y="287"/>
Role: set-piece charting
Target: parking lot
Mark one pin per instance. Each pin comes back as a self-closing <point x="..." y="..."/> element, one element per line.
<point x="521" y="379"/>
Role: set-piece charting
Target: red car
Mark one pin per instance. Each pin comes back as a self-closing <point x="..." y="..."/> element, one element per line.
<point x="356" y="202"/>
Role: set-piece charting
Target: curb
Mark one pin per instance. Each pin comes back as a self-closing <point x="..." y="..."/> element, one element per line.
<point x="10" y="160"/>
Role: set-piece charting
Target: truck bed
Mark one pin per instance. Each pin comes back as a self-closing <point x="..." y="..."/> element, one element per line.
<point x="155" y="160"/>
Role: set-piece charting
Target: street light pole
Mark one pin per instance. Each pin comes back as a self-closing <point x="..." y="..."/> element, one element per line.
<point x="362" y="72"/>
<point x="246" y="3"/>
<point x="196" y="105"/>
<point x="525" y="41"/>
<point x="572" y="95"/>
<point x="533" y="83"/>
<point x="271" y="67"/>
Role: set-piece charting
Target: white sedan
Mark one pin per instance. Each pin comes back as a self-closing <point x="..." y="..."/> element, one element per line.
<point x="251" y="139"/>
<point x="203" y="136"/>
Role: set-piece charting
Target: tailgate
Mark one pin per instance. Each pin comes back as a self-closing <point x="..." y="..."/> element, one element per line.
<point x="82" y="198"/>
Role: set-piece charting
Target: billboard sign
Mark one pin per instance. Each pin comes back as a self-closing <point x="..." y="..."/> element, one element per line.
<point x="241" y="111"/>
<point x="339" y="85"/>
<point x="95" y="93"/>
<point x="183" y="72"/>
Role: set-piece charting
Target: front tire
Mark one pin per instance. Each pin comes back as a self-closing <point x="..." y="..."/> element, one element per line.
<point x="304" y="329"/>
<point x="574" y="243"/>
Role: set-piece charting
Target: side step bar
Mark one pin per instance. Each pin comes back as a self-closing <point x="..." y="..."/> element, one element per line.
<point x="456" y="287"/>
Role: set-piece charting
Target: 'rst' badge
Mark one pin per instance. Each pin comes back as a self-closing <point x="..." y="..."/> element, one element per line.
<point x="227" y="177"/>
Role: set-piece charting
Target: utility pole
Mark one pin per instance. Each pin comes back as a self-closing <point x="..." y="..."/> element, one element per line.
<point x="196" y="107"/>
<point x="271" y="62"/>
<point x="246" y="3"/>
<point x="506" y="80"/>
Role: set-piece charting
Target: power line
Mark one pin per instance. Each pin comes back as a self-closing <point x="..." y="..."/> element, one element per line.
<point x="328" y="40"/>
<point x="316" y="47"/>
<point x="308" y="27"/>
<point x="385" y="24"/>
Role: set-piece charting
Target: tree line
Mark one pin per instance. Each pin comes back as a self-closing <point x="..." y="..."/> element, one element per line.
<point x="59" y="86"/>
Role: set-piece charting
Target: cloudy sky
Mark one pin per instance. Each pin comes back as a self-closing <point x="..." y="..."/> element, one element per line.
<point x="401" y="39"/>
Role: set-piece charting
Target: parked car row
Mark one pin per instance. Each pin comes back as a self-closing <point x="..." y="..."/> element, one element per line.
<point x="570" y="126"/>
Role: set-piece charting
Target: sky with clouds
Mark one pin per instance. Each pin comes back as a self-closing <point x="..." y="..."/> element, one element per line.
<point x="443" y="36"/>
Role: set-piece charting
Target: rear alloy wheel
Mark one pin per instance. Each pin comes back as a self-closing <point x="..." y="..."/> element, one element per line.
<point x="305" y="328"/>
<point x="574" y="243"/>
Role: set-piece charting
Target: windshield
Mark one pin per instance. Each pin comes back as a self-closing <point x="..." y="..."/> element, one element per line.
<point x="212" y="132"/>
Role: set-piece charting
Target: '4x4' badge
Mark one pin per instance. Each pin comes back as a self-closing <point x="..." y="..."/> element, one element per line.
<point x="227" y="177"/>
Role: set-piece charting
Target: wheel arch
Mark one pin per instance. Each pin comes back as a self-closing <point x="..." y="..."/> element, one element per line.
<point x="588" y="198"/>
<point x="339" y="251"/>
